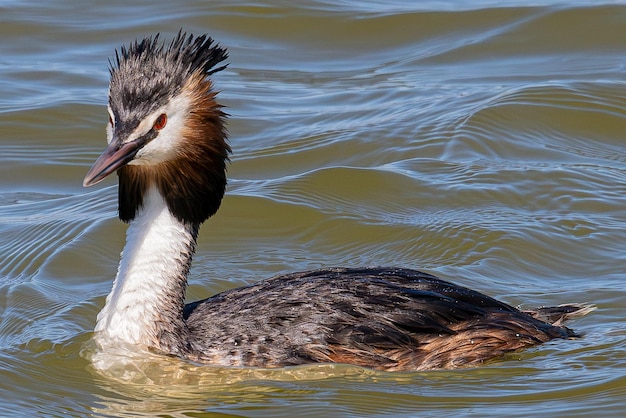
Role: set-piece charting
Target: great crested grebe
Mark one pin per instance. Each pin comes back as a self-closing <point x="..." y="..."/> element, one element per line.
<point x="167" y="142"/>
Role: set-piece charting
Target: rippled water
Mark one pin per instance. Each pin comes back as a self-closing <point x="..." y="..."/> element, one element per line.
<point x="481" y="143"/>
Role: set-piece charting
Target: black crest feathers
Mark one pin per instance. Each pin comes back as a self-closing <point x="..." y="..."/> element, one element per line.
<point x="145" y="76"/>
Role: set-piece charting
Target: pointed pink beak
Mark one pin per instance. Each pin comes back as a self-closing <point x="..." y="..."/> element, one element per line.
<point x="113" y="157"/>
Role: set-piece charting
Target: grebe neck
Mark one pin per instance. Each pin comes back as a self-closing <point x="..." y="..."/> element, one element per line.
<point x="145" y="306"/>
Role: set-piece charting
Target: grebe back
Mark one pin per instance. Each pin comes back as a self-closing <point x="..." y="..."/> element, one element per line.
<point x="167" y="142"/>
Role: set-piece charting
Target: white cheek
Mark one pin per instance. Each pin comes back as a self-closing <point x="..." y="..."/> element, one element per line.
<point x="165" y="145"/>
<point x="109" y="133"/>
<point x="109" y="128"/>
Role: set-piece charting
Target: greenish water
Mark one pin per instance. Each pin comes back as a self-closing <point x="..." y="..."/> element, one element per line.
<point x="481" y="143"/>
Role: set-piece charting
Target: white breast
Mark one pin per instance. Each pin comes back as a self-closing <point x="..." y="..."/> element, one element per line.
<point x="156" y="250"/>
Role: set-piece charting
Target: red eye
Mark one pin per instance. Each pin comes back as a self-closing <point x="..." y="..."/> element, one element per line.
<point x="160" y="122"/>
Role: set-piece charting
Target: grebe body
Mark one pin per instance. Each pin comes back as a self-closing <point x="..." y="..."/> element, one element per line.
<point x="167" y="143"/>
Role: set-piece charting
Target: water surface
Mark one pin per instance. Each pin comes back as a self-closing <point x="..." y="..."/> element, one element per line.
<point x="481" y="143"/>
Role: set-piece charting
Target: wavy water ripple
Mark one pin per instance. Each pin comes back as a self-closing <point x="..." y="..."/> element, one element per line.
<point x="479" y="141"/>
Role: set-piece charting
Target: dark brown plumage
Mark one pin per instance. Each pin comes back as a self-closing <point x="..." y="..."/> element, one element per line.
<point x="383" y="318"/>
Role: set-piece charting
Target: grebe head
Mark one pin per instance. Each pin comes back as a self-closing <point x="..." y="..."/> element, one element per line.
<point x="165" y="128"/>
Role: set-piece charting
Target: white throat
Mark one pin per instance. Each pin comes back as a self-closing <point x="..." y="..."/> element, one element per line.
<point x="145" y="305"/>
